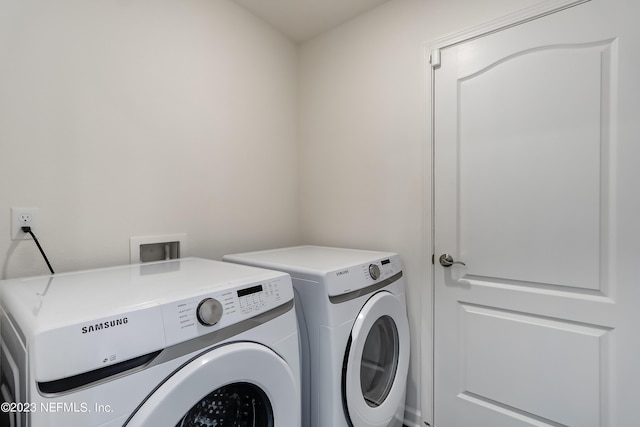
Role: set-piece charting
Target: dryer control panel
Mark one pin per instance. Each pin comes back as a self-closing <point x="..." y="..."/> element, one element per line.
<point x="382" y="269"/>
<point x="354" y="278"/>
<point x="202" y="314"/>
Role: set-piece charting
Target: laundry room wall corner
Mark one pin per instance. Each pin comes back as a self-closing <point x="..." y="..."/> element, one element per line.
<point x="365" y="147"/>
<point x="122" y="119"/>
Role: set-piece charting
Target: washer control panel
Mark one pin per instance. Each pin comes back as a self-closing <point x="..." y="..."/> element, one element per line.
<point x="209" y="311"/>
<point x="192" y="317"/>
<point x="374" y="271"/>
<point x="253" y="298"/>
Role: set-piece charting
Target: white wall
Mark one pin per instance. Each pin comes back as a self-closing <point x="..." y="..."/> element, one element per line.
<point x="364" y="149"/>
<point x="140" y="117"/>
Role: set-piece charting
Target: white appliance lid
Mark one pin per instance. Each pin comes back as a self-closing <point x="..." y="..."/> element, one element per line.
<point x="314" y="260"/>
<point x="70" y="298"/>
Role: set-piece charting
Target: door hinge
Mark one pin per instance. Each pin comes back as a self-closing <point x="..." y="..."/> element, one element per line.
<point x="435" y="58"/>
<point x="433" y="259"/>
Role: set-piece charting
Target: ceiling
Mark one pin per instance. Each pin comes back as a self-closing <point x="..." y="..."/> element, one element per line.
<point x="302" y="20"/>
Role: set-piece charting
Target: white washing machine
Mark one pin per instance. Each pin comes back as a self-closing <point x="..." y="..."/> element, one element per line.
<point x="354" y="332"/>
<point x="187" y="342"/>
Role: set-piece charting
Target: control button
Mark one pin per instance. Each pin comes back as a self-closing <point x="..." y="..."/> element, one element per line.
<point x="374" y="271"/>
<point x="209" y="311"/>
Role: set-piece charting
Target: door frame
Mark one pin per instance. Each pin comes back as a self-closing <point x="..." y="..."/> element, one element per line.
<point x="432" y="62"/>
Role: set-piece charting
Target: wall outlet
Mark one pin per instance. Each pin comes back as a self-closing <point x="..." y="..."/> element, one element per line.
<point x="21" y="217"/>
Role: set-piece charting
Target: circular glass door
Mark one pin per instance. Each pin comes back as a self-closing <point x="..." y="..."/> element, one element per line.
<point x="377" y="362"/>
<point x="237" y="405"/>
<point x="237" y="385"/>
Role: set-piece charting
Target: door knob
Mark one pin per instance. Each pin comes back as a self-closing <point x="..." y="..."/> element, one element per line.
<point x="446" y="260"/>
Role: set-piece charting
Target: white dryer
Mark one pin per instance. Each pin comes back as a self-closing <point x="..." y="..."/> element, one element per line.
<point x="354" y="332"/>
<point x="187" y="342"/>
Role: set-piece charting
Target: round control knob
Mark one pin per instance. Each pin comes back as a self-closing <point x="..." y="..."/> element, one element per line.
<point x="374" y="271"/>
<point x="209" y="311"/>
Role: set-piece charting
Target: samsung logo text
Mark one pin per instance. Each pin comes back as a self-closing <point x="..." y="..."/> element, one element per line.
<point x="104" y="325"/>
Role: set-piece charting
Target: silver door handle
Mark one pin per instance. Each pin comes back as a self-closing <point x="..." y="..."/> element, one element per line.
<point x="446" y="260"/>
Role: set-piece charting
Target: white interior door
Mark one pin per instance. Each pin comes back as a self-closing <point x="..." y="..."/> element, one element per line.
<point x="537" y="169"/>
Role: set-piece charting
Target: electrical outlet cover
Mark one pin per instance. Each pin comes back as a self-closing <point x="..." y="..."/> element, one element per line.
<point x="21" y="217"/>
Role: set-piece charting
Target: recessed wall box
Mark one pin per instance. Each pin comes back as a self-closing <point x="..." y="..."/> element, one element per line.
<point x="156" y="248"/>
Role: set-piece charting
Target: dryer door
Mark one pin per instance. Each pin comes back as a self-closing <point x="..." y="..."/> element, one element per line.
<point x="240" y="384"/>
<point x="376" y="363"/>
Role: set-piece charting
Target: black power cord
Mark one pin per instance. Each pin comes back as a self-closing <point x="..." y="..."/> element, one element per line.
<point x="28" y="230"/>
